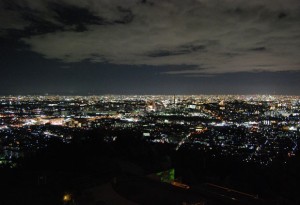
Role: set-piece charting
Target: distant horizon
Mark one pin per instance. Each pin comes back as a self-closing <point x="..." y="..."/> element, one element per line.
<point x="90" y="95"/>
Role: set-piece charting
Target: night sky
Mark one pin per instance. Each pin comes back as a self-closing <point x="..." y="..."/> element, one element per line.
<point x="87" y="47"/>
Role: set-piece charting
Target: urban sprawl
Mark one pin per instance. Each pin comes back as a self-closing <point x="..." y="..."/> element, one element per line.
<point x="253" y="129"/>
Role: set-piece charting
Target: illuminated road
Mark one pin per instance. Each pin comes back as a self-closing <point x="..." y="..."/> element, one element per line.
<point x="183" y="141"/>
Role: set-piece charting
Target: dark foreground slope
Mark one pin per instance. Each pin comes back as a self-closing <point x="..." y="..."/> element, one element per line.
<point x="88" y="166"/>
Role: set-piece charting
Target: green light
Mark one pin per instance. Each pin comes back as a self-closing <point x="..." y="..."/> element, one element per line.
<point x="167" y="176"/>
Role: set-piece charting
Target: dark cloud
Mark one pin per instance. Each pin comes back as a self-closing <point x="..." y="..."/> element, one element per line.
<point x="73" y="15"/>
<point x="215" y="36"/>
<point x="282" y="15"/>
<point x="181" y="50"/>
<point x="128" y="16"/>
<point x="38" y="25"/>
<point x="258" y="49"/>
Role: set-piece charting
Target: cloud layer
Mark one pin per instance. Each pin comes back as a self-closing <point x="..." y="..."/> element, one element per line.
<point x="204" y="36"/>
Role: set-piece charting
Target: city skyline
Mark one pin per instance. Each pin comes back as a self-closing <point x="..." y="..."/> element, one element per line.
<point x="149" y="47"/>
